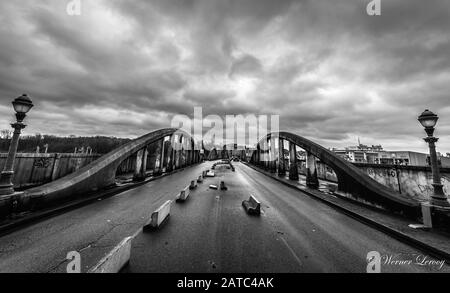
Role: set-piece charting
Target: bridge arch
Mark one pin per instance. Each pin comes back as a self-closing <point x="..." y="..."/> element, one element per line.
<point x="101" y="173"/>
<point x="213" y="154"/>
<point x="350" y="178"/>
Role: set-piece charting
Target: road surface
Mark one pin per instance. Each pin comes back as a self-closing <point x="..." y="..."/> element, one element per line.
<point x="208" y="233"/>
<point x="93" y="229"/>
<point x="212" y="233"/>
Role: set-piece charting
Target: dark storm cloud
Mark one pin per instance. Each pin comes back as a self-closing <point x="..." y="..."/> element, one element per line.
<point x="329" y="70"/>
<point x="246" y="65"/>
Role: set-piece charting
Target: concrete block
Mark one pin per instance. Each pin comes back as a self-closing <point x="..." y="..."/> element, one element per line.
<point x="193" y="185"/>
<point x="159" y="216"/>
<point x="252" y="206"/>
<point x="115" y="260"/>
<point x="213" y="187"/>
<point x="184" y="194"/>
<point x="210" y="174"/>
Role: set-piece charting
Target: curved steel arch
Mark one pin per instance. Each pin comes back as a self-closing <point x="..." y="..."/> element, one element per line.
<point x="351" y="179"/>
<point x="96" y="175"/>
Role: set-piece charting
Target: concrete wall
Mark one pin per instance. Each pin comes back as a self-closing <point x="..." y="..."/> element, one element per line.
<point x="412" y="180"/>
<point x="415" y="181"/>
<point x="37" y="169"/>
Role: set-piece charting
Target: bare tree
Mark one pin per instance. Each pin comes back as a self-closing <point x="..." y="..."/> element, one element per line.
<point x="5" y="133"/>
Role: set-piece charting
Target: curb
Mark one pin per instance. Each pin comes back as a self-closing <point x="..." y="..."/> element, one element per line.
<point x="436" y="252"/>
<point x="12" y="226"/>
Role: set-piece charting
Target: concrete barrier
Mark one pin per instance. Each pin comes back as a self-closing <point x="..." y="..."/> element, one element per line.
<point x="115" y="260"/>
<point x="184" y="194"/>
<point x="193" y="185"/>
<point x="159" y="217"/>
<point x="213" y="187"/>
<point x="210" y="174"/>
<point x="252" y="206"/>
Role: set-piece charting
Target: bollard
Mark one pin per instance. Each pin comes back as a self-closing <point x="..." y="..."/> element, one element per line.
<point x="426" y="215"/>
<point x="222" y="186"/>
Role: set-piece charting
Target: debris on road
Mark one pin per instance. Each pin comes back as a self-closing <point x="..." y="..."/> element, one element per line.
<point x="419" y="226"/>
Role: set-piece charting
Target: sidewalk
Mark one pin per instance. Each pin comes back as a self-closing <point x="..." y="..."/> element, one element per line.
<point x="434" y="242"/>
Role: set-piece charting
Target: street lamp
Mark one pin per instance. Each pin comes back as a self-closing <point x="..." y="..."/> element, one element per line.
<point x="21" y="105"/>
<point x="428" y="120"/>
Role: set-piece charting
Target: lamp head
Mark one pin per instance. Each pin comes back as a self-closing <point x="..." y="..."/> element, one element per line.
<point x="22" y="105"/>
<point x="428" y="120"/>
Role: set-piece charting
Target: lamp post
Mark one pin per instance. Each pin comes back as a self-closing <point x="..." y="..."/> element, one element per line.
<point x="428" y="120"/>
<point x="21" y="105"/>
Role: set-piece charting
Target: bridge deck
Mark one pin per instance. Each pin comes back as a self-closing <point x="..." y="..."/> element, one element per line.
<point x="212" y="233"/>
<point x="93" y="229"/>
<point x="208" y="233"/>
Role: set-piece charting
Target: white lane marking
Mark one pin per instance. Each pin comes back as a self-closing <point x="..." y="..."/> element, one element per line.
<point x="292" y="251"/>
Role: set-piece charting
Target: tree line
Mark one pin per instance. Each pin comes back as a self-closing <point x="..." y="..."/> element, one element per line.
<point x="59" y="144"/>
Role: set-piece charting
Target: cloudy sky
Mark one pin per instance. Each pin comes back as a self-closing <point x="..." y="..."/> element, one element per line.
<point x="330" y="71"/>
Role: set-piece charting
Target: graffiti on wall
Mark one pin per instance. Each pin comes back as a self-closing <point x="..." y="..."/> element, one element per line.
<point x="382" y="172"/>
<point x="42" y="162"/>
<point x="425" y="188"/>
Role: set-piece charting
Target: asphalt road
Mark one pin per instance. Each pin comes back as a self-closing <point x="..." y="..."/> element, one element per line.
<point x="92" y="229"/>
<point x="212" y="233"/>
<point x="209" y="233"/>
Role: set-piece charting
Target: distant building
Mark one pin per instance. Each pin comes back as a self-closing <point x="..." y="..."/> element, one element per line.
<point x="375" y="154"/>
<point x="403" y="158"/>
<point x="444" y="161"/>
<point x="360" y="154"/>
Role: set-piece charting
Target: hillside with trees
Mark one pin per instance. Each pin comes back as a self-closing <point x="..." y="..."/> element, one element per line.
<point x="58" y="144"/>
